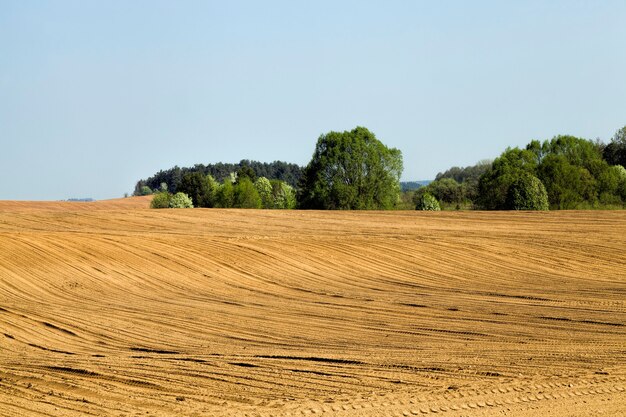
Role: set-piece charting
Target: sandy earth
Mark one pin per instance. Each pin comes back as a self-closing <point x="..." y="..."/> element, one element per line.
<point x="111" y="308"/>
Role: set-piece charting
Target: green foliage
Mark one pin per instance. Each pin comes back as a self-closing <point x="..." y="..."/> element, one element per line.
<point x="265" y="191"/>
<point x="527" y="193"/>
<point x="578" y="152"/>
<point x="289" y="173"/>
<point x="283" y="195"/>
<point x="181" y="200"/>
<point x="621" y="189"/>
<point x="427" y="202"/>
<point x="161" y="200"/>
<point x="225" y="195"/>
<point x="351" y="170"/>
<point x="610" y="180"/>
<point x="246" y="195"/>
<point x="571" y="169"/>
<point x="246" y="172"/>
<point x="465" y="174"/>
<point x="615" y="152"/>
<point x="567" y="185"/>
<point x="407" y="200"/>
<point x="165" y="199"/>
<point x="201" y="188"/>
<point x="468" y="178"/>
<point x="493" y="186"/>
<point x="142" y="189"/>
<point x="446" y="190"/>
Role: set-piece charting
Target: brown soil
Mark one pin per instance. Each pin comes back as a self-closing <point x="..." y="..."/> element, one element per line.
<point x="110" y="309"/>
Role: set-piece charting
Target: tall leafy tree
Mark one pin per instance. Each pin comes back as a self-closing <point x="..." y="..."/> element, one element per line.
<point x="351" y="170"/>
<point x="578" y="152"/>
<point x="493" y="186"/>
<point x="264" y="188"/>
<point x="246" y="195"/>
<point x="568" y="185"/>
<point x="225" y="195"/>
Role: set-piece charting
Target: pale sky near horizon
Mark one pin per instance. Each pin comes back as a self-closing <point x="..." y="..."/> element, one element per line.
<point x="95" y="95"/>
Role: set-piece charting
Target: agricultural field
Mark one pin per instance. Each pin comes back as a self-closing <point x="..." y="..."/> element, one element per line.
<point x="110" y="308"/>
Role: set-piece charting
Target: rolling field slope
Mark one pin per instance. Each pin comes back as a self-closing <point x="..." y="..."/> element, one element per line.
<point x="110" y="308"/>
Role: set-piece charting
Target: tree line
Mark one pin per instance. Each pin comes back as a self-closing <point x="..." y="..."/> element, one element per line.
<point x="354" y="170"/>
<point x="240" y="190"/>
<point x="565" y="172"/>
<point x="286" y="172"/>
<point x="349" y="170"/>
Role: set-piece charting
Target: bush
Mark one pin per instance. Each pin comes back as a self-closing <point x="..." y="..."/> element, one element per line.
<point x="527" y="193"/>
<point x="181" y="200"/>
<point x="161" y="200"/>
<point x="427" y="202"/>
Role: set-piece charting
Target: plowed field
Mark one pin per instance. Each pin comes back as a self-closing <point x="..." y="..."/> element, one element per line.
<point x="111" y="308"/>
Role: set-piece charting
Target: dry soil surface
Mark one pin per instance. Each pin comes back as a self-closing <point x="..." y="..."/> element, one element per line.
<point x="111" y="308"/>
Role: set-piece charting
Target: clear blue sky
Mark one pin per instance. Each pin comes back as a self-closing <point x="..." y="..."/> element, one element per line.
<point x="95" y="95"/>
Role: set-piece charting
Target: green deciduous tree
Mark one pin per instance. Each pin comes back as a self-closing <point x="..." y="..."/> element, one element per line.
<point x="246" y="195"/>
<point x="527" y="193"/>
<point x="264" y="189"/>
<point x="181" y="200"/>
<point x="610" y="179"/>
<point x="568" y="185"/>
<point x="225" y="195"/>
<point x="571" y="169"/>
<point x="161" y="200"/>
<point x="283" y="195"/>
<point x="351" y="170"/>
<point x="578" y="152"/>
<point x="493" y="186"/>
<point x="446" y="191"/>
<point x="283" y="171"/>
<point x="165" y="199"/>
